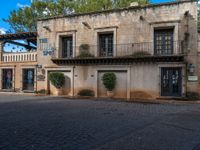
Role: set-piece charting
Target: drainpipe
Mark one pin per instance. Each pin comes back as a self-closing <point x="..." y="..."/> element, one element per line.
<point x="185" y="78"/>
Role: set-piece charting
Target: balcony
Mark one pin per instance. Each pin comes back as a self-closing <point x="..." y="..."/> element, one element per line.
<point x="127" y="53"/>
<point x="20" y="57"/>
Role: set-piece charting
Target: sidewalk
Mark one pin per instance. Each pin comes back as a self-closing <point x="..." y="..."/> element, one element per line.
<point x="162" y="101"/>
<point x="147" y="101"/>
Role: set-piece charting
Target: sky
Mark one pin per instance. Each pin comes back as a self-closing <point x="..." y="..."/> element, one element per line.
<point x="8" y="6"/>
<point x="16" y="4"/>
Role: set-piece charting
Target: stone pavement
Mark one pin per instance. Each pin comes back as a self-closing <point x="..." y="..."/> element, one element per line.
<point x="49" y="123"/>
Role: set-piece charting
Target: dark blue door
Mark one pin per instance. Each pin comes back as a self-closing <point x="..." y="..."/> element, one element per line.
<point x="28" y="79"/>
<point x="171" y="82"/>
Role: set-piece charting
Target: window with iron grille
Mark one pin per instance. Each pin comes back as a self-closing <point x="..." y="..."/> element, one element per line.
<point x="67" y="47"/>
<point x="163" y="41"/>
<point x="106" y="45"/>
<point x="7" y="82"/>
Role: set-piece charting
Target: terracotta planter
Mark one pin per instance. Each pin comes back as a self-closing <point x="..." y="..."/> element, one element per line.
<point x="58" y="92"/>
<point x="110" y="94"/>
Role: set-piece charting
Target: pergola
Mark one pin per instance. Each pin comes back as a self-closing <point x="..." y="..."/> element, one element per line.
<point x="30" y="37"/>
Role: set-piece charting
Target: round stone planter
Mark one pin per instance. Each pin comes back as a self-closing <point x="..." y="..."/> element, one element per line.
<point x="58" y="92"/>
<point x="110" y="94"/>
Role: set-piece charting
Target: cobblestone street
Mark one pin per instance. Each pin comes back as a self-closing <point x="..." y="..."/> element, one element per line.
<point x="49" y="123"/>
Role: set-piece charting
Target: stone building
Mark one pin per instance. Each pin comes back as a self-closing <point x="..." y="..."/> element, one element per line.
<point x="18" y="68"/>
<point x="152" y="49"/>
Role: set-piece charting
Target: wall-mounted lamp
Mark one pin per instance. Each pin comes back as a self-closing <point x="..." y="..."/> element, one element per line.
<point x="141" y="18"/>
<point x="186" y="13"/>
<point x="86" y="24"/>
<point x="191" y="68"/>
<point x="47" y="28"/>
<point x="39" y="66"/>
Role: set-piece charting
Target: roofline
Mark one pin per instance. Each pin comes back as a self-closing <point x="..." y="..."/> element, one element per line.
<point x="18" y="33"/>
<point x="16" y="36"/>
<point x="117" y="10"/>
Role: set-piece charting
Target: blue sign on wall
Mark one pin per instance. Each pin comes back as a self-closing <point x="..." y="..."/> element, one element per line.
<point x="48" y="52"/>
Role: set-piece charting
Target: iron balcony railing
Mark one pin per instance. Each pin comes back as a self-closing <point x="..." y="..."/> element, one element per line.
<point x="123" y="50"/>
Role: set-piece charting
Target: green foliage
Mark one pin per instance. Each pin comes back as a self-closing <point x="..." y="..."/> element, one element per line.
<point x="84" y="51"/>
<point x="86" y="92"/>
<point x="43" y="91"/>
<point x="126" y="3"/>
<point x="141" y="54"/>
<point x="25" y="19"/>
<point x="84" y="54"/>
<point x="57" y="79"/>
<point x="193" y="96"/>
<point x="84" y="47"/>
<point x="109" y="81"/>
<point x="81" y="6"/>
<point x="20" y="20"/>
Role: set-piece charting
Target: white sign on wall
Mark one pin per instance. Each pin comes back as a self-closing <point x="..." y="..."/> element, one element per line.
<point x="192" y="78"/>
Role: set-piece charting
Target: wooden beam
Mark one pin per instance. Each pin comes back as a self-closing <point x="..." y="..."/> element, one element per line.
<point x="21" y="44"/>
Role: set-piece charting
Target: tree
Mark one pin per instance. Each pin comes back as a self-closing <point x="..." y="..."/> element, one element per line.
<point x="81" y="6"/>
<point x="24" y="19"/>
<point x="126" y="3"/>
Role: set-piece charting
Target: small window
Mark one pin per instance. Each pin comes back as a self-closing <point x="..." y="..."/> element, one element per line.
<point x="106" y="45"/>
<point x="67" y="47"/>
<point x="163" y="41"/>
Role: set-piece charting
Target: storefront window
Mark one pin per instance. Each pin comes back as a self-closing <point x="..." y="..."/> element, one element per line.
<point x="28" y="79"/>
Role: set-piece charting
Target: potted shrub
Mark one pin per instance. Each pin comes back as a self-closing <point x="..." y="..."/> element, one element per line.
<point x="141" y="54"/>
<point x="57" y="79"/>
<point x="109" y="81"/>
<point x="41" y="92"/>
<point x="84" y="51"/>
<point x="84" y="47"/>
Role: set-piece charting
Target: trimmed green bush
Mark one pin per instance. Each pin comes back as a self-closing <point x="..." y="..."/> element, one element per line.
<point x="109" y="81"/>
<point x="84" y="47"/>
<point x="141" y="54"/>
<point x="192" y="96"/>
<point x="86" y="92"/>
<point x="84" y="51"/>
<point x="85" y="54"/>
<point x="57" y="79"/>
<point x="43" y="91"/>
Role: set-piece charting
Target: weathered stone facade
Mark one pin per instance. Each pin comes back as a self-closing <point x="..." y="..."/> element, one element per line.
<point x="132" y="29"/>
<point x="130" y="25"/>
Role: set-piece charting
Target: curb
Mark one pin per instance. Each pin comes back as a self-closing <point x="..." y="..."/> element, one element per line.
<point x="142" y="101"/>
